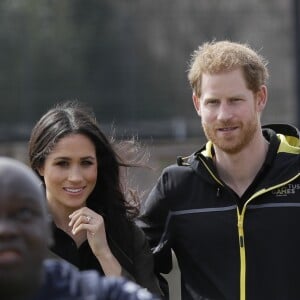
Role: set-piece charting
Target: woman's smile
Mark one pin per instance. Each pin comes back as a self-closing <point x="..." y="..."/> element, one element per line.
<point x="70" y="172"/>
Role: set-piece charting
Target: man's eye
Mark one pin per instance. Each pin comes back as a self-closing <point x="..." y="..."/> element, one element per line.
<point x="24" y="214"/>
<point x="212" y="102"/>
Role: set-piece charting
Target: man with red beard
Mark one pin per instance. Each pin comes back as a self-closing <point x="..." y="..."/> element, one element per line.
<point x="230" y="211"/>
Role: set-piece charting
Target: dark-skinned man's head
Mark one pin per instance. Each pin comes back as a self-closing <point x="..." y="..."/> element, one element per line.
<point x="24" y="230"/>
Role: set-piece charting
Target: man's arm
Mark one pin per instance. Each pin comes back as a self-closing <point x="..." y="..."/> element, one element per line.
<point x="154" y="222"/>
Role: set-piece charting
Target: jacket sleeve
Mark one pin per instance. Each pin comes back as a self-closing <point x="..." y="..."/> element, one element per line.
<point x="143" y="263"/>
<point x="137" y="261"/>
<point x="154" y="222"/>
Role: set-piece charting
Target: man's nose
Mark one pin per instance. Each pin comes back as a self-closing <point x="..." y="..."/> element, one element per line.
<point x="225" y="111"/>
<point x="8" y="228"/>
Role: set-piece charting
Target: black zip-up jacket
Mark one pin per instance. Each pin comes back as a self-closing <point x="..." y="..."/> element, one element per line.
<point x="230" y="247"/>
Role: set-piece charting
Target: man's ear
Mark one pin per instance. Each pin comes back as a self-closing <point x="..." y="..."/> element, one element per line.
<point x="261" y="98"/>
<point x="196" y="101"/>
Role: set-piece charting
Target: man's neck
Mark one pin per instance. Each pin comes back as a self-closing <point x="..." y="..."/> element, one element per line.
<point x="239" y="170"/>
<point x="16" y="293"/>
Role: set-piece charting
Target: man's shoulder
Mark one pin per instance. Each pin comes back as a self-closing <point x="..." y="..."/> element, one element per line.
<point x="180" y="167"/>
<point x="63" y="281"/>
<point x="184" y="167"/>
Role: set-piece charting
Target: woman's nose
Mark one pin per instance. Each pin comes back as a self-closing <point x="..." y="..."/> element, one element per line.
<point x="75" y="174"/>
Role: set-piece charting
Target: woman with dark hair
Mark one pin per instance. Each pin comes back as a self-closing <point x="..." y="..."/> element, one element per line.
<point x="93" y="212"/>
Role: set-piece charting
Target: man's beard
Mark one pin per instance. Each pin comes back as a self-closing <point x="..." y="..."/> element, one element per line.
<point x="238" y="142"/>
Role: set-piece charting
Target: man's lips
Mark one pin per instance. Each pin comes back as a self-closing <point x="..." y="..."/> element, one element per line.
<point x="225" y="129"/>
<point x="9" y="256"/>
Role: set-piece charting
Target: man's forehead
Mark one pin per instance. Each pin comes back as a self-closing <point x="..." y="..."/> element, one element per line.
<point x="19" y="181"/>
<point x="15" y="199"/>
<point x="13" y="184"/>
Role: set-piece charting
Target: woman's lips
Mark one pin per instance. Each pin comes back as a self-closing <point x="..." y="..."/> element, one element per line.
<point x="74" y="191"/>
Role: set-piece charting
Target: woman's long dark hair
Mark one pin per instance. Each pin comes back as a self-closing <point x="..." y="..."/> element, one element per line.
<point x="71" y="117"/>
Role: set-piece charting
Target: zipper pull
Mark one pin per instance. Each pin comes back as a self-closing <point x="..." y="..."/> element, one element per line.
<point x="241" y="241"/>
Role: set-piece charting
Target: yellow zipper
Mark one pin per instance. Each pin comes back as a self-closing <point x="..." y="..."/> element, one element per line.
<point x="242" y="256"/>
<point x="240" y="217"/>
<point x="240" y="225"/>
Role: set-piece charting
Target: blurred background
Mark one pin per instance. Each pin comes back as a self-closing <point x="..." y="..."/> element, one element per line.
<point x="128" y="60"/>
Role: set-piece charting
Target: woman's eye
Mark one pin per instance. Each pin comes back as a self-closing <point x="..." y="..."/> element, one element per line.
<point x="87" y="163"/>
<point x="62" y="164"/>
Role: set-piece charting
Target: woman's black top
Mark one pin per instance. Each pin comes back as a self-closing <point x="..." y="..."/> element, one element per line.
<point x="134" y="255"/>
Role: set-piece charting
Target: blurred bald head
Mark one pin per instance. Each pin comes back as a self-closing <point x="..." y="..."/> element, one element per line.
<point x="17" y="178"/>
<point x="24" y="229"/>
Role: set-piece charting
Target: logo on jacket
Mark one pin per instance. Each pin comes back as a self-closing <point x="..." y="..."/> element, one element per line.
<point x="286" y="190"/>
